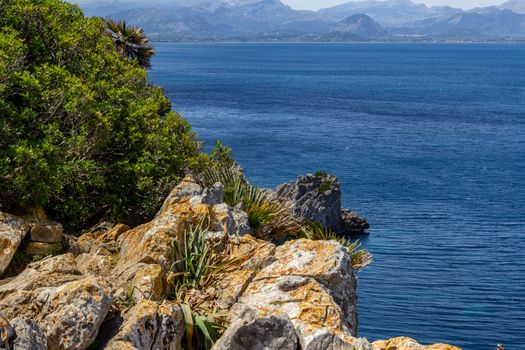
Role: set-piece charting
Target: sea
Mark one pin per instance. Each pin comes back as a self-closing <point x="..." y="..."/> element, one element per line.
<point x="428" y="141"/>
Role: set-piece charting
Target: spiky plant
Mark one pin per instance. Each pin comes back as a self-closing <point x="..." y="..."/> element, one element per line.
<point x="199" y="264"/>
<point x="131" y="42"/>
<point x="316" y="232"/>
<point x="269" y="217"/>
<point x="201" y="332"/>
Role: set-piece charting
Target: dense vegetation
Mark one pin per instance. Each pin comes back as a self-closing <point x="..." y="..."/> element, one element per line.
<point x="82" y="132"/>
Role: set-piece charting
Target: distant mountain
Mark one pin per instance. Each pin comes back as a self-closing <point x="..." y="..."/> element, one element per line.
<point x="488" y="23"/>
<point x="517" y="6"/>
<point x="271" y="20"/>
<point x="360" y="25"/>
<point x="392" y="13"/>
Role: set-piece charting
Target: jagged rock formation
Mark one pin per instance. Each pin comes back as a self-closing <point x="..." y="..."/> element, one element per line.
<point x="317" y="197"/>
<point x="109" y="288"/>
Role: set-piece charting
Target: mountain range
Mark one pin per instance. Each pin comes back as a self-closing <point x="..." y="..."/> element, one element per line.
<point x="271" y="20"/>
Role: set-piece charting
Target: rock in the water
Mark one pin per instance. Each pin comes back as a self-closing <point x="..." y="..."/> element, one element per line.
<point x="405" y="343"/>
<point x="46" y="233"/>
<point x="352" y="223"/>
<point x="275" y="332"/>
<point x="148" y="325"/>
<point x="318" y="198"/>
<point x="28" y="335"/>
<point x="12" y="231"/>
<point x="315" y="198"/>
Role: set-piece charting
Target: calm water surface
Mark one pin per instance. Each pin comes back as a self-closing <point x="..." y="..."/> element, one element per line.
<point x="429" y="143"/>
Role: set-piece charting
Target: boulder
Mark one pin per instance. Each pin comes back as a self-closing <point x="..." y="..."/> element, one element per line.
<point x="318" y="198"/>
<point x="66" y="306"/>
<point x="73" y="313"/>
<point x="405" y="343"/>
<point x="148" y="325"/>
<point x="46" y="233"/>
<point x="311" y="282"/>
<point x="12" y="230"/>
<point x="275" y="332"/>
<point x="28" y="335"/>
<point x="43" y="249"/>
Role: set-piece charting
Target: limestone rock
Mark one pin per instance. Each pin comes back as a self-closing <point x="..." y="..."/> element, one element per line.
<point x="275" y="332"/>
<point x="315" y="198"/>
<point x="43" y="249"/>
<point x="28" y="335"/>
<point x="318" y="198"/>
<point x="312" y="282"/>
<point x="95" y="264"/>
<point x="67" y="308"/>
<point x="46" y="233"/>
<point x="328" y="262"/>
<point x="73" y="313"/>
<point x="12" y="231"/>
<point x="149" y="283"/>
<point x="256" y="254"/>
<point x="150" y="326"/>
<point x="405" y="343"/>
<point x="188" y="187"/>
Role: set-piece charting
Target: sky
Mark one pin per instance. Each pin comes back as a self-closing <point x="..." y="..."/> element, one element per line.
<point x="317" y="4"/>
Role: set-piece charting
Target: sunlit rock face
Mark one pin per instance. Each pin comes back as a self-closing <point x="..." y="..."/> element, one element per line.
<point x="12" y="231"/>
<point x="110" y="288"/>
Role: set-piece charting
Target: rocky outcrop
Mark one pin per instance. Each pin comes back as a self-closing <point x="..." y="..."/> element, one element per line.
<point x="311" y="282"/>
<point x="111" y="289"/>
<point x="318" y="198"/>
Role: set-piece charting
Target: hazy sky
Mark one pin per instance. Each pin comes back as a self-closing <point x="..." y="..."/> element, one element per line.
<point x="316" y="4"/>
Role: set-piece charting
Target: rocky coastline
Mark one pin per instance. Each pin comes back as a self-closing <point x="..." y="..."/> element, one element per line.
<point x="112" y="286"/>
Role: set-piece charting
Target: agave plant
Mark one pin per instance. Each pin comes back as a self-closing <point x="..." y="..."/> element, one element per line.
<point x="360" y="256"/>
<point x="130" y="42"/>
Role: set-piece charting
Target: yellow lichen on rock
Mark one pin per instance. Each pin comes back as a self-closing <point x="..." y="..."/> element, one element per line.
<point x="405" y="343"/>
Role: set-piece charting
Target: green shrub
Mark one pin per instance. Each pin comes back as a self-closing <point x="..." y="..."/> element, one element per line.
<point x="325" y="186"/>
<point x="82" y="132"/>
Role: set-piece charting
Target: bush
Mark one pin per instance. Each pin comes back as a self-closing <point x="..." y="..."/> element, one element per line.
<point x="82" y="133"/>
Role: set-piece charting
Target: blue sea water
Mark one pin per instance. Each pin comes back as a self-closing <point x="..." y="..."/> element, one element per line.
<point x="429" y="143"/>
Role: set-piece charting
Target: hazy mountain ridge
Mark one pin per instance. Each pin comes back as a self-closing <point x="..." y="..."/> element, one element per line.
<point x="271" y="20"/>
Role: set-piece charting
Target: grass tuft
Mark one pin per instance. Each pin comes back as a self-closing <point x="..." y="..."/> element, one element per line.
<point x="360" y="257"/>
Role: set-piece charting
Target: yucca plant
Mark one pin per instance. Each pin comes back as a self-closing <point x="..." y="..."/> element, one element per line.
<point x="316" y="232"/>
<point x="131" y="42"/>
<point x="269" y="217"/>
<point x="201" y="331"/>
<point x="199" y="263"/>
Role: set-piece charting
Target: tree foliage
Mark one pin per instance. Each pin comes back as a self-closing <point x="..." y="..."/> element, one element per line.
<point x="82" y="133"/>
